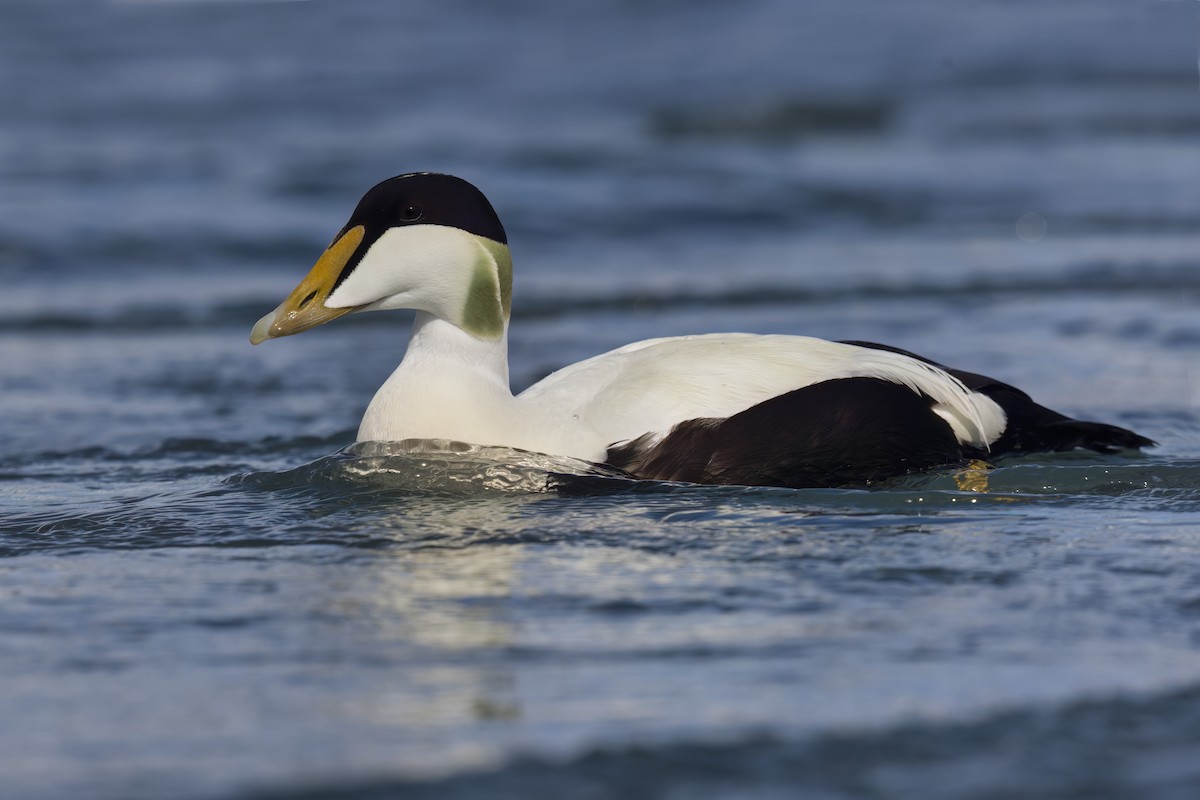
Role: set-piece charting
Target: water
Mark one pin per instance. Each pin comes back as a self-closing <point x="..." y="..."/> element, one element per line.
<point x="205" y="594"/>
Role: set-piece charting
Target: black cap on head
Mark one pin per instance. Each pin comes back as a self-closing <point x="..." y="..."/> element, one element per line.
<point x="426" y="198"/>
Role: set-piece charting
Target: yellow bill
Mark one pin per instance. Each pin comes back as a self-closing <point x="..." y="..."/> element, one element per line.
<point x="305" y="307"/>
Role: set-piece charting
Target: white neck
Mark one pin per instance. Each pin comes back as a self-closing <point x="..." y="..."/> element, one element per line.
<point x="436" y="344"/>
<point x="452" y="385"/>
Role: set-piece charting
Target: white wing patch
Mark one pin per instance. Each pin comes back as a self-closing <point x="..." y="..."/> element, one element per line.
<point x="975" y="418"/>
<point x="650" y="386"/>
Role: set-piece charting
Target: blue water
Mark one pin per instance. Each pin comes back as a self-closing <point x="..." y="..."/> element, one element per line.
<point x="206" y="593"/>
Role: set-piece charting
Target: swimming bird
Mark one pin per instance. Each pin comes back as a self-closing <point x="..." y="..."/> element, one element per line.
<point x="723" y="408"/>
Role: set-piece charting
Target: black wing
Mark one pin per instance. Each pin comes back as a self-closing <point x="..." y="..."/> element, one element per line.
<point x="844" y="432"/>
<point x="1033" y="428"/>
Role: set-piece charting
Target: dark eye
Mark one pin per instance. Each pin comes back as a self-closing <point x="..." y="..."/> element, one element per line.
<point x="410" y="213"/>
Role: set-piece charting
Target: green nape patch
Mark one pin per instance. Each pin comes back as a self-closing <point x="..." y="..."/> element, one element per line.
<point x="489" y="297"/>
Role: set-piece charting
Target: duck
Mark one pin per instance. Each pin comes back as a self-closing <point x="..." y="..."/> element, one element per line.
<point x="714" y="408"/>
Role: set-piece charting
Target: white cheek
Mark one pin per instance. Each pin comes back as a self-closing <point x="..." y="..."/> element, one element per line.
<point x="409" y="267"/>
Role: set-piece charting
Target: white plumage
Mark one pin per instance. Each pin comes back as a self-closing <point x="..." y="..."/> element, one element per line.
<point x="650" y="386"/>
<point x="434" y="244"/>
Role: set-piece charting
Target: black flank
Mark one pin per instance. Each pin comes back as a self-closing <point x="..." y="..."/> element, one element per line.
<point x="845" y="432"/>
<point x="1033" y="428"/>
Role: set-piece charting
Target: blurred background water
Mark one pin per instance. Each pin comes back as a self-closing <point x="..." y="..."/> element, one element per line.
<point x="203" y="596"/>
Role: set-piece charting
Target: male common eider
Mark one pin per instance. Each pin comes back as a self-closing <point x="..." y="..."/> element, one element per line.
<point x="729" y="408"/>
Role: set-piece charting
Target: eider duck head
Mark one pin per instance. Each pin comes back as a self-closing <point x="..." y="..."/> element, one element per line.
<point x="420" y="241"/>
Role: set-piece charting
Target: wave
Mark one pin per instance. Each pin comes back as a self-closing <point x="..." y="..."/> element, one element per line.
<point x="1083" y="749"/>
<point x="438" y="465"/>
<point x="418" y="493"/>
<point x="421" y="466"/>
<point x="777" y="119"/>
<point x="434" y="465"/>
<point x="177" y="449"/>
<point x="1096" y="278"/>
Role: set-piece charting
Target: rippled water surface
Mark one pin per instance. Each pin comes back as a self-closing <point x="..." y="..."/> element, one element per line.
<point x="207" y="592"/>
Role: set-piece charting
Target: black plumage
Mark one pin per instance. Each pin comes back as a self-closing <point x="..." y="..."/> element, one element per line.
<point x="852" y="432"/>
<point x="845" y="432"/>
<point x="1033" y="428"/>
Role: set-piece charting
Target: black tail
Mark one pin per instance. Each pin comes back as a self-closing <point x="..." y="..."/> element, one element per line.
<point x="1071" y="434"/>
<point x="1033" y="428"/>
